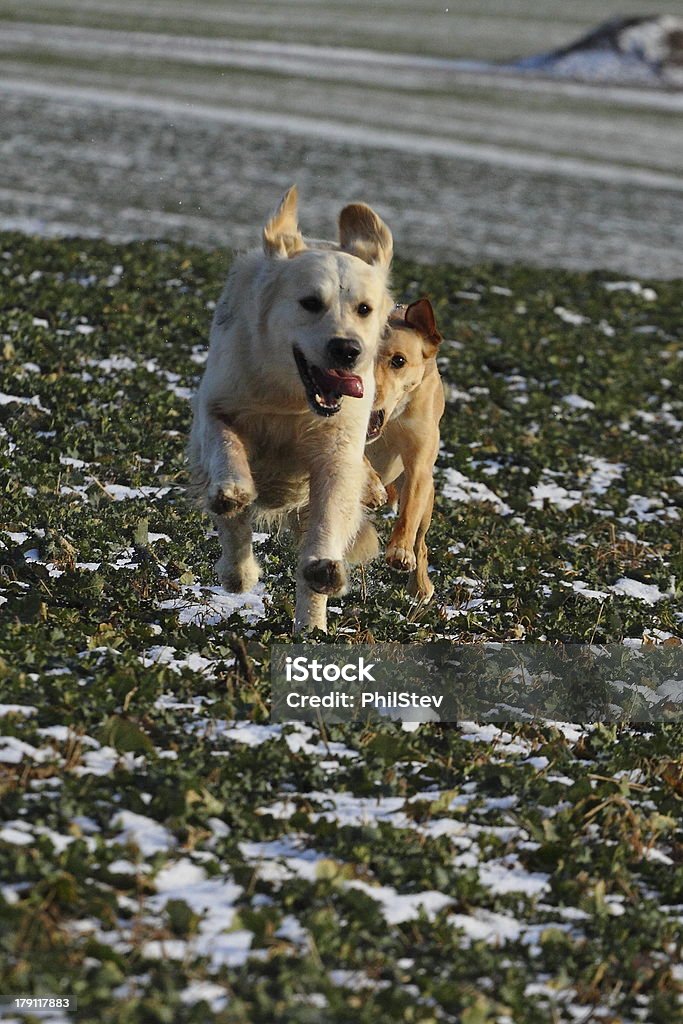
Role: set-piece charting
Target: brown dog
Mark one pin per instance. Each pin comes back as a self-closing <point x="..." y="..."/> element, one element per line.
<point x="403" y="435"/>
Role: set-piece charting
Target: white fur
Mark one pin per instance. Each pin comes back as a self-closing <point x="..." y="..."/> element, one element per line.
<point x="257" y="450"/>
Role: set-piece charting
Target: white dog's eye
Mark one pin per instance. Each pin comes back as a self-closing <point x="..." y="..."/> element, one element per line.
<point x="398" y="361"/>
<point x="312" y="304"/>
<point x="364" y="309"/>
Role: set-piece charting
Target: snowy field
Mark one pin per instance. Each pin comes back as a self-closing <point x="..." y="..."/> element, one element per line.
<point x="186" y="121"/>
<point x="169" y="855"/>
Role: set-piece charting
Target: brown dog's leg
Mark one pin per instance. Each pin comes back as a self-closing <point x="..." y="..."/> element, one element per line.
<point x="420" y="584"/>
<point x="393" y="492"/>
<point x="414" y="498"/>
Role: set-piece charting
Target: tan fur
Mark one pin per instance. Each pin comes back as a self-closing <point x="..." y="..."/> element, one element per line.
<point x="257" y="451"/>
<point x="403" y="456"/>
<point x="281" y="234"/>
<point x="362" y="233"/>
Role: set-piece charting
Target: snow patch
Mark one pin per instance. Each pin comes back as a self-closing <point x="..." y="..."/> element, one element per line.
<point x="554" y="494"/>
<point x="148" y="835"/>
<point x="647" y="592"/>
<point x="210" y="605"/>
<point x="398" y="908"/>
<point x="459" y="488"/>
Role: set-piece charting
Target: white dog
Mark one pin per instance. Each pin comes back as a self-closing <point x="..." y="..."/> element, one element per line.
<point x="282" y="410"/>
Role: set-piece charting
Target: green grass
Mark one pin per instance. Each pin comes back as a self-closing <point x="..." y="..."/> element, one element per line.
<point x="563" y="848"/>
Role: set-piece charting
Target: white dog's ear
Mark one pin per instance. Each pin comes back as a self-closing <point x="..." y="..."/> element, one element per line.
<point x="281" y="235"/>
<point x="362" y="233"/>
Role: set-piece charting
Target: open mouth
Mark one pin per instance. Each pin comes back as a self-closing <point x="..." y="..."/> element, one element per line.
<point x="325" y="388"/>
<point x="375" y="425"/>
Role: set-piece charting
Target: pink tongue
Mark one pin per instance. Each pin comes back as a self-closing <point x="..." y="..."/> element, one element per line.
<point x="340" y="382"/>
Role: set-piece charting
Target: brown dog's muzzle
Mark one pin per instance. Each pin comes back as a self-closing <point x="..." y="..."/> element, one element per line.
<point x="375" y="425"/>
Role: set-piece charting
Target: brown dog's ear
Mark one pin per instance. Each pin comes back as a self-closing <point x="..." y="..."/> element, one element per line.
<point x="362" y="233"/>
<point x="420" y="316"/>
<point x="281" y="235"/>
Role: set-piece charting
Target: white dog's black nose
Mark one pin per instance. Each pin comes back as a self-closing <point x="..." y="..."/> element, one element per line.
<point x="343" y="352"/>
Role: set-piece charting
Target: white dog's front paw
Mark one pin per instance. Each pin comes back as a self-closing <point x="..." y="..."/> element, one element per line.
<point x="230" y="497"/>
<point x="238" y="578"/>
<point x="400" y="558"/>
<point x="325" y="575"/>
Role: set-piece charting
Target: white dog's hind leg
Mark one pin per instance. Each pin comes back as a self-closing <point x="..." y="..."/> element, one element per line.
<point x="365" y="545"/>
<point x="237" y="568"/>
<point x="311" y="608"/>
